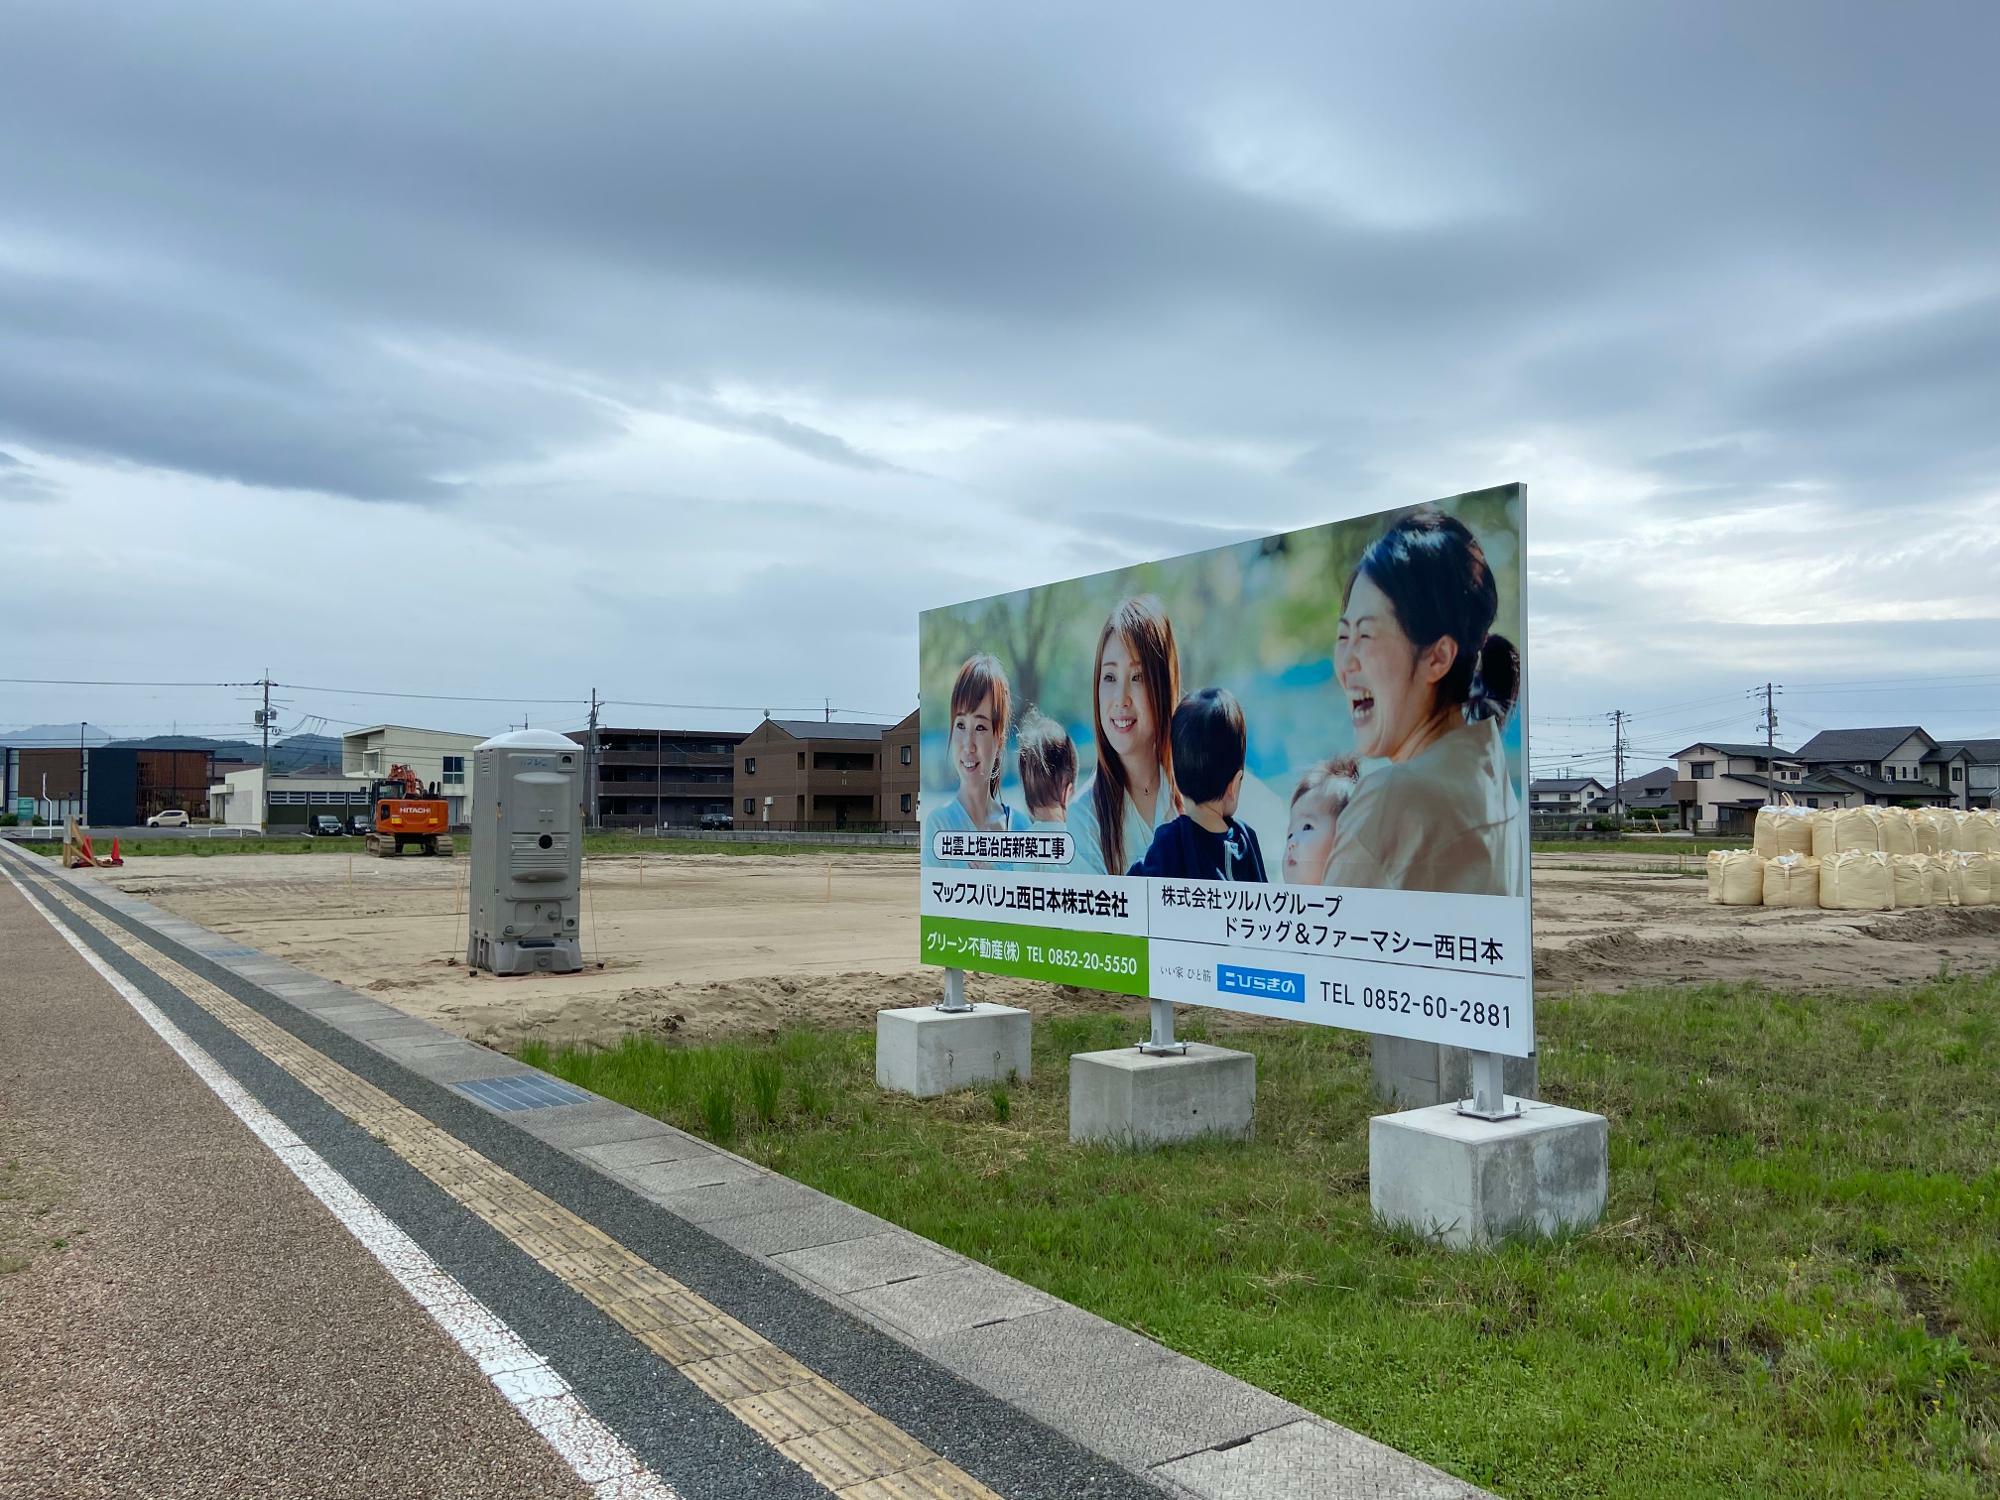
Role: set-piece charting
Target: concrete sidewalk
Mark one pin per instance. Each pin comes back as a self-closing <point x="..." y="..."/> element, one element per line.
<point x="983" y="1377"/>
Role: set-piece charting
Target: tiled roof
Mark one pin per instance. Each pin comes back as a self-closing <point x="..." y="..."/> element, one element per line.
<point x="814" y="729"/>
<point x="1760" y="752"/>
<point x="1857" y="744"/>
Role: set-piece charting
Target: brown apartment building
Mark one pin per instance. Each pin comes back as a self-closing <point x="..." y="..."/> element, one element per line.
<point x="901" y="759"/>
<point x="793" y="772"/>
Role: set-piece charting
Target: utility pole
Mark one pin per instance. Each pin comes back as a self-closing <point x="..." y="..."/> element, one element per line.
<point x="1770" y="691"/>
<point x="82" y="804"/>
<point x="591" y="781"/>
<point x="264" y="721"/>
<point x="1618" y="762"/>
<point x="829" y="710"/>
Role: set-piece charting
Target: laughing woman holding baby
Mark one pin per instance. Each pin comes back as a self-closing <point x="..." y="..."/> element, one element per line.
<point x="1428" y="687"/>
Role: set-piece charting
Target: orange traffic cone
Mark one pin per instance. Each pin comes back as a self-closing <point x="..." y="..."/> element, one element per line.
<point x="116" y="858"/>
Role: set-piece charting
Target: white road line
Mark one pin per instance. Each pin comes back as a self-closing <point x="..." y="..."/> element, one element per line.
<point x="526" y="1379"/>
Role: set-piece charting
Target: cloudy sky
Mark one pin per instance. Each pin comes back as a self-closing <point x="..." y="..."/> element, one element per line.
<point x="687" y="351"/>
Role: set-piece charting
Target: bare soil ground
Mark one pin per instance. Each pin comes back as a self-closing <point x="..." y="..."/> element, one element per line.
<point x="720" y="945"/>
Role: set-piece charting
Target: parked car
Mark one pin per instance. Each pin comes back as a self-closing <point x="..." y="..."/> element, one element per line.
<point x="717" y="820"/>
<point x="172" y="817"/>
<point x="323" y="826"/>
<point x="360" y="823"/>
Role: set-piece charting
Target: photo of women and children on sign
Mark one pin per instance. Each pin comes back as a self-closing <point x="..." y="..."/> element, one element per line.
<point x="1335" y="706"/>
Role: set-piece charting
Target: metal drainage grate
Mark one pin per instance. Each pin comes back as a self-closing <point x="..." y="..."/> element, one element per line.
<point x="525" y="1091"/>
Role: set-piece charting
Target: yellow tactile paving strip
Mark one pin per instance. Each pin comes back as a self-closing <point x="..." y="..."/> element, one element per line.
<point x="840" y="1442"/>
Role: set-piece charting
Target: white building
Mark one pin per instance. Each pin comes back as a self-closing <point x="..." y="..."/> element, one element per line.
<point x="439" y="757"/>
<point x="237" y="801"/>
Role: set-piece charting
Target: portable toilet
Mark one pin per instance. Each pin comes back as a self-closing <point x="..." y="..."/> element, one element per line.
<point x="527" y="854"/>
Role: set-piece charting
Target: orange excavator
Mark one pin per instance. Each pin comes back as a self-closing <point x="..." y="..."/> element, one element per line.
<point x="407" y="816"/>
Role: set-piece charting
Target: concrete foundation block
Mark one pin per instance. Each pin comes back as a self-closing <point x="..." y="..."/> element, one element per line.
<point x="1411" y="1074"/>
<point x="1132" y="1098"/>
<point x="1468" y="1182"/>
<point x="925" y="1051"/>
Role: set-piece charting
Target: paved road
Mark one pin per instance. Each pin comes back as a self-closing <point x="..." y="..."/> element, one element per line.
<point x="316" y="1247"/>
<point x="207" y="1329"/>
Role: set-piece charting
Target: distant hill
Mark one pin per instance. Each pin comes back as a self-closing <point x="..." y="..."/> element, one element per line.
<point x="288" y="756"/>
<point x="50" y="737"/>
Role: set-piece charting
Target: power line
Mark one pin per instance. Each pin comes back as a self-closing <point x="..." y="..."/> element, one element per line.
<point x="86" y="682"/>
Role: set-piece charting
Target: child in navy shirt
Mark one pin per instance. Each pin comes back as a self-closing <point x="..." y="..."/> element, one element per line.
<point x="1206" y="842"/>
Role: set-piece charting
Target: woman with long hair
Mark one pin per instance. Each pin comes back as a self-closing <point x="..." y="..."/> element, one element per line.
<point x="981" y="705"/>
<point x="1428" y="687"/>
<point x="1137" y="683"/>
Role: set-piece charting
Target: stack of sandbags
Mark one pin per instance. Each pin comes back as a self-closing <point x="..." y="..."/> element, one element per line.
<point x="1856" y="880"/>
<point x="1783" y="830"/>
<point x="1898" y="833"/>
<point x="1910" y="879"/>
<point x="1978" y="833"/>
<point x="1738" y="877"/>
<point x="1971" y="878"/>
<point x="1944" y="822"/>
<point x="1791" y="880"/>
<point x="1940" y="877"/>
<point x="1840" y="830"/>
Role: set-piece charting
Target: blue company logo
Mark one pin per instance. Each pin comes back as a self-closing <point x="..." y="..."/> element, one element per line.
<point x="1265" y="984"/>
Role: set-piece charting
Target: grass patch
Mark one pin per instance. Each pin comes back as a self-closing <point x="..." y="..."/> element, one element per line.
<point x="1795" y="1291"/>
<point x="1698" y="847"/>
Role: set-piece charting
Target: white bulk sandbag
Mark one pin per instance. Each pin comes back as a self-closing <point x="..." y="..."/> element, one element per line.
<point x="1742" y="878"/>
<point x="1783" y="830"/>
<point x="1898" y="834"/>
<point x="1791" y="880"/>
<point x="1946" y="823"/>
<point x="1971" y="878"/>
<point x="1856" y="880"/>
<point x="1940" y="874"/>
<point x="1715" y="876"/>
<point x="1910" y="879"/>
<point x="1976" y="831"/>
<point x="1923" y="827"/>
<point x="1843" y="828"/>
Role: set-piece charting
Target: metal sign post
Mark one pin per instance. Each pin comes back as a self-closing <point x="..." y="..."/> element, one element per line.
<point x="954" y="1002"/>
<point x="1161" y="1043"/>
<point x="1489" y="1099"/>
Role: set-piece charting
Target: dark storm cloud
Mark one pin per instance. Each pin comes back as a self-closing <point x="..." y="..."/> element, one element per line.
<point x="1352" y="237"/>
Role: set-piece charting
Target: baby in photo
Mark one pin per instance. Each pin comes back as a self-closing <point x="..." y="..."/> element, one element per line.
<point x="1316" y="806"/>
<point x="1048" y="770"/>
<point x="1206" y="842"/>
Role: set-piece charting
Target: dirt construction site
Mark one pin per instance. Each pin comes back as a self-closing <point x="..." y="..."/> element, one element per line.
<point x="711" y="946"/>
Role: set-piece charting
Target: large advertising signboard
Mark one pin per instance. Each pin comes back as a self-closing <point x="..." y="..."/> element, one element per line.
<point x="1285" y="777"/>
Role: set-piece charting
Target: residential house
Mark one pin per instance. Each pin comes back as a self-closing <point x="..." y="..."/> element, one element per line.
<point x="1721" y="785"/>
<point x="1980" y="762"/>
<point x="1889" y="767"/>
<point x="1564" y="796"/>
<point x="1652" y="791"/>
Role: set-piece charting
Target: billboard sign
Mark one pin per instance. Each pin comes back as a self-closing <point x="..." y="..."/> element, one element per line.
<point x="1285" y="776"/>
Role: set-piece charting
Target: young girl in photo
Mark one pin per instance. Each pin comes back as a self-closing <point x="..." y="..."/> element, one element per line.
<point x="980" y="705"/>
